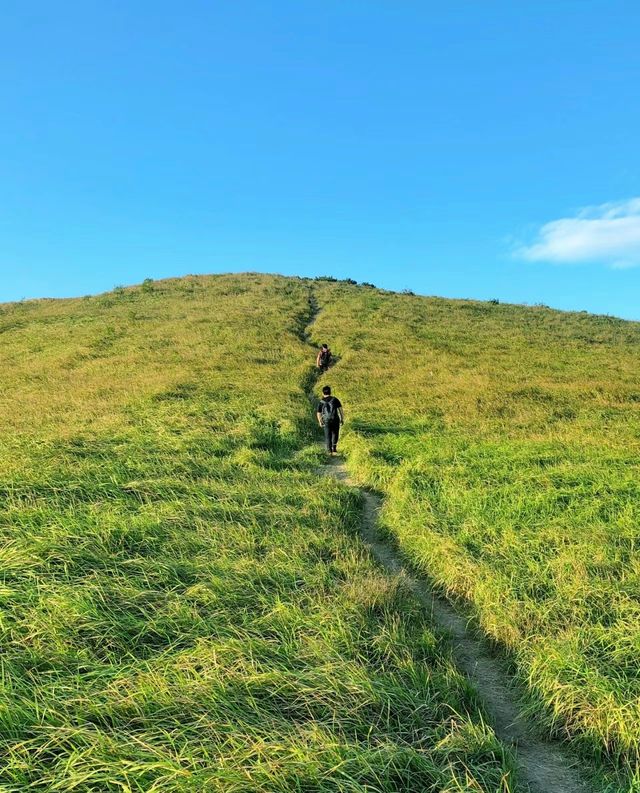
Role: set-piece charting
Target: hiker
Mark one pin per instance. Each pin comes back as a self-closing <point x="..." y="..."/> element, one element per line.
<point x="324" y="358"/>
<point x="330" y="418"/>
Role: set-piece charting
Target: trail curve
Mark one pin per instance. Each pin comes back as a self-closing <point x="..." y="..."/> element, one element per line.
<point x="544" y="766"/>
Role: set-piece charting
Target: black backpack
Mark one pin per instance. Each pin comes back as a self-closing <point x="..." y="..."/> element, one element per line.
<point x="329" y="410"/>
<point x="325" y="357"/>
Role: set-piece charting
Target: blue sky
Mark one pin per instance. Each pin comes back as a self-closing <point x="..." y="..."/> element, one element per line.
<point x="464" y="149"/>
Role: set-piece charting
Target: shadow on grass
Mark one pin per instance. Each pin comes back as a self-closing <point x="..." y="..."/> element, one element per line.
<point x="370" y="429"/>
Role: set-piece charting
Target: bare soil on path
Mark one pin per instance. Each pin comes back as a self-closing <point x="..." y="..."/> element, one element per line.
<point x="544" y="766"/>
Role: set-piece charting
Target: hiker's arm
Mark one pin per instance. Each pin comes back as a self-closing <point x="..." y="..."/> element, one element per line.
<point x="341" y="414"/>
<point x="319" y="417"/>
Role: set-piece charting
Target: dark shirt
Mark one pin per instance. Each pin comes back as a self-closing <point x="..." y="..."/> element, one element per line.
<point x="336" y="404"/>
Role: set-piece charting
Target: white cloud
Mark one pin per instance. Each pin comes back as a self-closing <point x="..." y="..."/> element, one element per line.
<point x="607" y="234"/>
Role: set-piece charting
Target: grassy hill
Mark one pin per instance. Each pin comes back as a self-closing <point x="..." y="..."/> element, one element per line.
<point x="186" y="603"/>
<point x="505" y="440"/>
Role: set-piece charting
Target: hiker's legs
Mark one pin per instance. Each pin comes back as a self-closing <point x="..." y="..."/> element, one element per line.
<point x="335" y="434"/>
<point x="327" y="436"/>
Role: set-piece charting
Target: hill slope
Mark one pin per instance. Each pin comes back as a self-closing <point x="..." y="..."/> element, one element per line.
<point x="186" y="607"/>
<point x="506" y="442"/>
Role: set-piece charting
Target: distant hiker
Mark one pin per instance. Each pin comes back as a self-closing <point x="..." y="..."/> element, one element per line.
<point x="324" y="358"/>
<point x="330" y="418"/>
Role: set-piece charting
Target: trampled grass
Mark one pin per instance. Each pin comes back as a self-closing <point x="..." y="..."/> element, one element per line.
<point x="186" y="605"/>
<point x="505" y="440"/>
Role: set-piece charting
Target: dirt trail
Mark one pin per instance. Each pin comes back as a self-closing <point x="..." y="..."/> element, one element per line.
<point x="544" y="766"/>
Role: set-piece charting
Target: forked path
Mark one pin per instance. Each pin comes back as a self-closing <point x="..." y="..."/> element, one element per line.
<point x="544" y="766"/>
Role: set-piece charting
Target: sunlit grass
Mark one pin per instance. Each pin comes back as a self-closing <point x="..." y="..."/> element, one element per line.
<point x="506" y="442"/>
<point x="186" y="604"/>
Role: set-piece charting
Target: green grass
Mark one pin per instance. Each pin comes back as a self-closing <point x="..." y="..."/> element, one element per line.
<point x="186" y="604"/>
<point x="505" y="440"/>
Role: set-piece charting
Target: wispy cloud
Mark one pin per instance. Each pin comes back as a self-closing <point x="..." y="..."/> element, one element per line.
<point x="607" y="234"/>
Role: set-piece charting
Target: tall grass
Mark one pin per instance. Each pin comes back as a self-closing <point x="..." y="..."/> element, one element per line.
<point x="186" y="604"/>
<point x="506" y="441"/>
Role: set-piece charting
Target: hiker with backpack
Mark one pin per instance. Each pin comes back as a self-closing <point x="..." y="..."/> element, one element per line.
<point x="330" y="417"/>
<point x="324" y="358"/>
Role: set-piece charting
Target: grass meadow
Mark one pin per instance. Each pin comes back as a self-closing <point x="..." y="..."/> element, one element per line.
<point x="186" y="605"/>
<point x="505" y="440"/>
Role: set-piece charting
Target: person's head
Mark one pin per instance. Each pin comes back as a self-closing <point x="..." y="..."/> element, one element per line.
<point x="325" y="346"/>
<point x="326" y="390"/>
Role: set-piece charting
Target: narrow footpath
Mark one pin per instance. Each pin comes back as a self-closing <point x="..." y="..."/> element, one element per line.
<point x="544" y="766"/>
